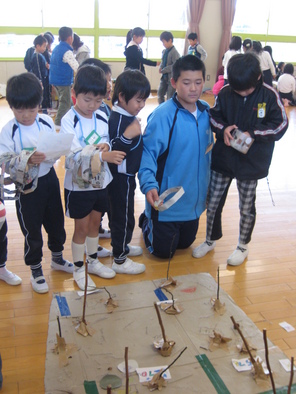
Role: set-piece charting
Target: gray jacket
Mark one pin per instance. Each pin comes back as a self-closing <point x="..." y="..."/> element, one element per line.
<point x="173" y="55"/>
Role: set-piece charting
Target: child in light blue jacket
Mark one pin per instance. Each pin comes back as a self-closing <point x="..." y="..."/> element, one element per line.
<point x="177" y="152"/>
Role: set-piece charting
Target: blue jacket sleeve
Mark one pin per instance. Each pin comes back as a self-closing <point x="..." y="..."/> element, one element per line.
<point x="155" y="140"/>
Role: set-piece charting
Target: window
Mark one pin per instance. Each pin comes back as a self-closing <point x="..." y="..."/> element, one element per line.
<point x="111" y="47"/>
<point x="251" y="17"/>
<point x="101" y="24"/>
<point x="16" y="13"/>
<point x="168" y="15"/>
<point x="151" y="15"/>
<point x="74" y="13"/>
<point x="129" y="14"/>
<point x="270" y="22"/>
<point x="54" y="13"/>
<point x="15" y="46"/>
<point x="148" y="14"/>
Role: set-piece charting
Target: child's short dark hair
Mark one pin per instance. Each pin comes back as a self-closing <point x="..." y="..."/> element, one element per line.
<point x="64" y="33"/>
<point x="24" y="91"/>
<point x="243" y="71"/>
<point x="77" y="43"/>
<point x="192" y="36"/>
<point x="289" y="69"/>
<point x="257" y="46"/>
<point x="49" y="36"/>
<point x="235" y="43"/>
<point x="167" y="36"/>
<point x="39" y="40"/>
<point x="130" y="83"/>
<point x="138" y="32"/>
<point x="90" y="79"/>
<point x="188" y="63"/>
<point x="97" y="62"/>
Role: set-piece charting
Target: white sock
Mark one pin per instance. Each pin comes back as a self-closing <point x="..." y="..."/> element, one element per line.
<point x="92" y="245"/>
<point x="4" y="272"/>
<point x="77" y="252"/>
<point x="243" y="246"/>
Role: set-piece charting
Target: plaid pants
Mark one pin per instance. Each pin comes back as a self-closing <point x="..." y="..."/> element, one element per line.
<point x="218" y="189"/>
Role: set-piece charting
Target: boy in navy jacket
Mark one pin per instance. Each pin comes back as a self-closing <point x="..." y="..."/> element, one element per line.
<point x="130" y="93"/>
<point x="256" y="109"/>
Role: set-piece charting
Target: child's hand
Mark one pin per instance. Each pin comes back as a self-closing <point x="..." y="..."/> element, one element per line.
<point x="114" y="156"/>
<point x="37" y="158"/>
<point x="152" y="196"/>
<point x="227" y="134"/>
<point x="103" y="147"/>
<point x="133" y="130"/>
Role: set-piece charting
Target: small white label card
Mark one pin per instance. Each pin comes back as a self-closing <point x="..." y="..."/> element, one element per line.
<point x="146" y="374"/>
<point x="287" y="326"/>
<point x="286" y="364"/>
<point x="244" y="364"/>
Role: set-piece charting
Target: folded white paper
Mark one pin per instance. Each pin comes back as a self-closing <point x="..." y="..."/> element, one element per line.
<point x="286" y="364"/>
<point x="54" y="145"/>
<point x="287" y="326"/>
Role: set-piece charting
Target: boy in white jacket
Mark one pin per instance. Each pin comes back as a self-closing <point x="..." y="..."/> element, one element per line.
<point x="39" y="203"/>
<point x="87" y="171"/>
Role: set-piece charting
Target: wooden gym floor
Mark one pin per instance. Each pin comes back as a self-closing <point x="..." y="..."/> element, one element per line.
<point x="264" y="286"/>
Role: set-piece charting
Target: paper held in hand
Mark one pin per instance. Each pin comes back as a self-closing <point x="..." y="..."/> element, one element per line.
<point x="54" y="145"/>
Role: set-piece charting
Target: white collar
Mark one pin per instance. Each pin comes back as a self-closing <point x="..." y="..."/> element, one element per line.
<point x="132" y="42"/>
<point x="120" y="110"/>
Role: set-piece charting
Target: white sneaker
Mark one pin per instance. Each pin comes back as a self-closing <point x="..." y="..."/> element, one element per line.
<point x="238" y="256"/>
<point x="40" y="288"/>
<point x="9" y="277"/>
<point x="103" y="252"/>
<point x="104" y="233"/>
<point x="134" y="250"/>
<point x="129" y="267"/>
<point x="203" y="249"/>
<point x="66" y="266"/>
<point x="97" y="268"/>
<point x="79" y="277"/>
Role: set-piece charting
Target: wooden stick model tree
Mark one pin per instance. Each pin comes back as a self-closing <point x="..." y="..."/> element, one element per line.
<point x="167" y="346"/>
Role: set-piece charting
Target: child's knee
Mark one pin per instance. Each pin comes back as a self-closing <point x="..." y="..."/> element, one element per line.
<point x="163" y="254"/>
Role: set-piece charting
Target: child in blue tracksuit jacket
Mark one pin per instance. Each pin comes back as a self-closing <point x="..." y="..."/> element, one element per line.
<point x="177" y="152"/>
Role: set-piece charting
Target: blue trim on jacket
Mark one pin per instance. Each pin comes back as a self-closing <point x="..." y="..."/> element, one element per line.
<point x="187" y="163"/>
<point x="60" y="73"/>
